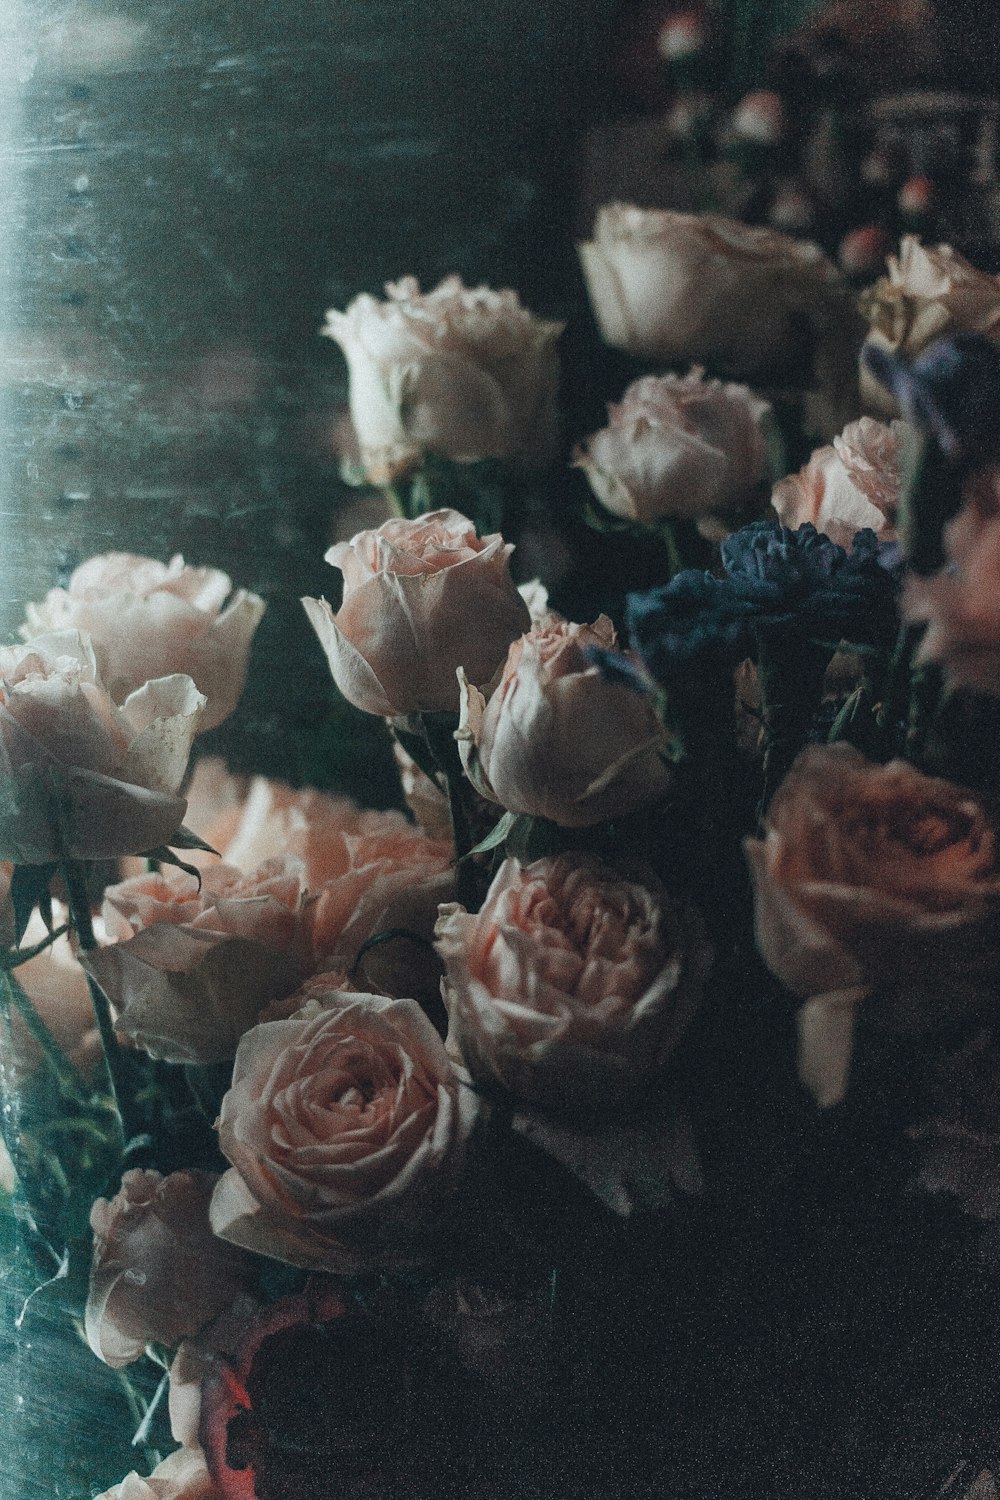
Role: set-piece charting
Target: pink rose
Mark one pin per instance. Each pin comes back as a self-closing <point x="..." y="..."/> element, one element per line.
<point x="685" y="447"/>
<point x="182" y="1475"/>
<point x="464" y="372"/>
<point x="148" y="619"/>
<point x="421" y="598"/>
<point x="192" y="969"/>
<point x="158" y="1272"/>
<point x="571" y="985"/>
<point x="346" y="1126"/>
<point x="556" y="739"/>
<point x="961" y="603"/>
<point x="874" y="879"/>
<point x="851" y="484"/>
<point x="84" y="778"/>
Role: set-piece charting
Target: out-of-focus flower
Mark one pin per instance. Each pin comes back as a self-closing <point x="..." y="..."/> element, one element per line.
<point x="863" y="251"/>
<point x="685" y="447"/>
<point x="571" y="985"/>
<point x="346" y="1126"/>
<point x="148" y="619"/>
<point x="196" y="1358"/>
<point x="850" y="486"/>
<point x="421" y="599"/>
<point x="158" y="1271"/>
<point x="916" y="196"/>
<point x="464" y="372"/>
<point x="681" y="37"/>
<point x="759" y="118"/>
<point x="182" y="1475"/>
<point x="950" y="390"/>
<point x="557" y="739"/>
<point x="84" y="778"/>
<point x="424" y="797"/>
<point x="960" y="1143"/>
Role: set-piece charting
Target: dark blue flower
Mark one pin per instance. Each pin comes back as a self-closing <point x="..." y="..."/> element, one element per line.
<point x="951" y="391"/>
<point x="694" y="615"/>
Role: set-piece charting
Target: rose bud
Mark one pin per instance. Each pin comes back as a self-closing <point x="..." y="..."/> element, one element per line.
<point x="572" y="986"/>
<point x="759" y="118"/>
<point x="467" y="373"/>
<point x="180" y="1476"/>
<point x="926" y="294"/>
<point x="421" y="599"/>
<point x="158" y="1271"/>
<point x="679" y="287"/>
<point x="681" y="37"/>
<point x="916" y="197"/>
<point x="874" y="881"/>
<point x="559" y="740"/>
<point x="84" y="778"/>
<point x="862" y="253"/>
<point x="852" y="484"/>
<point x="688" y="447"/>
<point x="148" y="619"/>
<point x="346" y="1125"/>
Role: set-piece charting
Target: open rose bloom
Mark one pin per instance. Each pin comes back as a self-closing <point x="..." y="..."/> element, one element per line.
<point x="847" y="486"/>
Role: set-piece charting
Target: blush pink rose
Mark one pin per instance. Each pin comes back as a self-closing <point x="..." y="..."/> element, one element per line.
<point x="556" y="739"/>
<point x="182" y="1475"/>
<point x="571" y="985"/>
<point x="346" y="1126"/>
<point x="851" y="484"/>
<point x="149" y="619"/>
<point x="158" y="1273"/>
<point x="84" y="778"/>
<point x="875" y="880"/>
<point x="421" y="599"/>
<point x="681" y="446"/>
<point x="193" y="968"/>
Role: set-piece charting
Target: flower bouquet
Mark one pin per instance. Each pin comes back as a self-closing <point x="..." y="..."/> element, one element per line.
<point x="476" y="1146"/>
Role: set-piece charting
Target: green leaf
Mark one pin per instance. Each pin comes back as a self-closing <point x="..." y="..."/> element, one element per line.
<point x="29" y="887"/>
<point x="185" y="838"/>
<point x="167" y="856"/>
<point x="495" y="837"/>
<point x="17" y="956"/>
<point x="208" y="1083"/>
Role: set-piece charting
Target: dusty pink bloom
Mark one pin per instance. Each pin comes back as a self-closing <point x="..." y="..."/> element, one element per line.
<point x="571" y="985"/>
<point x="85" y="778"/>
<point x="851" y="484"/>
<point x="182" y="1475"/>
<point x="676" y="446"/>
<point x="556" y="739"/>
<point x="346" y="1126"/>
<point x="158" y="1272"/>
<point x="149" y="619"/>
<point x="421" y="598"/>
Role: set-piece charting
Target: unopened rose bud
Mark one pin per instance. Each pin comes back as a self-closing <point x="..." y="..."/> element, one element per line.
<point x="863" y="251"/>
<point x="916" y="196"/>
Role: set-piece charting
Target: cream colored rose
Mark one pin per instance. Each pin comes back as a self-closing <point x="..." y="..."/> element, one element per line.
<point x="680" y="287"/>
<point x="148" y="619"/>
<point x="158" y="1272"/>
<point x="193" y="968"/>
<point x="464" y="372"/>
<point x="851" y="484"/>
<point x="346" y="1126"/>
<point x="927" y="293"/>
<point x="874" y="881"/>
<point x="83" y="778"/>
<point x="180" y="1476"/>
<point x="421" y="598"/>
<point x="686" y="447"/>
<point x="556" y="739"/>
<point x="571" y="985"/>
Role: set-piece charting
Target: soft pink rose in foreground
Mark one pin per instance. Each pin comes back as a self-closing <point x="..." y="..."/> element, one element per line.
<point x="192" y="969"/>
<point x="84" y="778"/>
<point x="181" y="1476"/>
<point x="571" y="985"/>
<point x="961" y="603"/>
<point x="556" y="739"/>
<point x="346" y="1126"/>
<point x="680" y="286"/>
<point x="686" y="447"/>
<point x="874" y="879"/>
<point x="149" y="619"/>
<point x="158" y="1271"/>
<point x="421" y="598"/>
<point x="851" y="484"/>
<point x="459" y="371"/>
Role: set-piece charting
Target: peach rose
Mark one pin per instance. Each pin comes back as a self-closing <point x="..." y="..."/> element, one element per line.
<point x="182" y="1475"/>
<point x="464" y="372"/>
<point x="158" y="1272"/>
<point x="346" y="1126"/>
<point x="84" y="778"/>
<point x="556" y="739"/>
<point x="571" y="985"/>
<point x="680" y="286"/>
<point x="421" y="598"/>
<point x="148" y="619"/>
<point x="686" y="447"/>
<point x="928" y="292"/>
<point x="851" y="484"/>
<point x="192" y="969"/>
<point x="961" y="603"/>
<point x="874" y="880"/>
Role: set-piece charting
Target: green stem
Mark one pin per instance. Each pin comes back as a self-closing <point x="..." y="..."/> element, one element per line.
<point x="69" y="1081"/>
